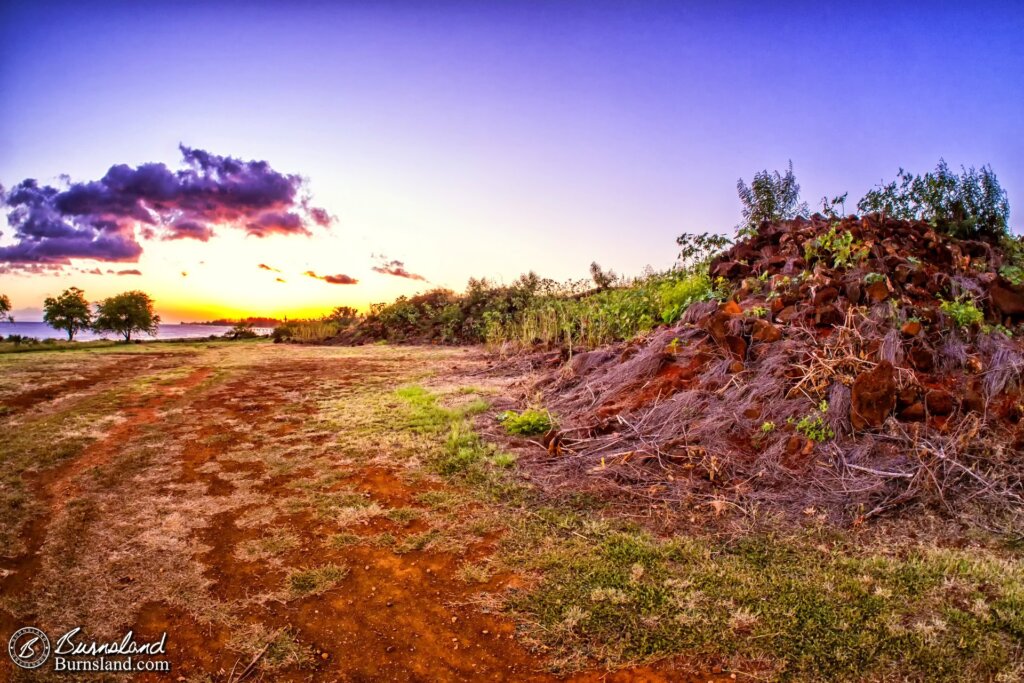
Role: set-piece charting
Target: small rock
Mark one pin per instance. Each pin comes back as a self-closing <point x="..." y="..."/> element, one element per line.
<point x="878" y="291"/>
<point x="939" y="402"/>
<point x="764" y="331"/>
<point x="913" y="413"/>
<point x="828" y="316"/>
<point x="1006" y="301"/>
<point x="873" y="396"/>
<point x="732" y="308"/>
<point x="911" y="328"/>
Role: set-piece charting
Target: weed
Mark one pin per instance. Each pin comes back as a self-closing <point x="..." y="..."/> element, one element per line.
<point x="964" y="312"/>
<point x="527" y="423"/>
<point x="814" y="427"/>
<point x="872" y="278"/>
<point x="403" y="516"/>
<point x="305" y="582"/>
<point x="474" y="573"/>
<point x="843" y="248"/>
<point x="767" y="427"/>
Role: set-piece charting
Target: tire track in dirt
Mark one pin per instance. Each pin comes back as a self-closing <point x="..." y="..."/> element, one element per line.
<point x="393" y="617"/>
<point x="56" y="487"/>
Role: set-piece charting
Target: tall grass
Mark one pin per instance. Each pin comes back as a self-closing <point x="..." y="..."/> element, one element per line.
<point x="603" y="317"/>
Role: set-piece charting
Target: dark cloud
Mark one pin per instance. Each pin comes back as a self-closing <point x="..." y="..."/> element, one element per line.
<point x="264" y="266"/>
<point x="104" y="219"/>
<point x="131" y="271"/>
<point x="334" y="279"/>
<point x="397" y="268"/>
<point x="280" y="279"/>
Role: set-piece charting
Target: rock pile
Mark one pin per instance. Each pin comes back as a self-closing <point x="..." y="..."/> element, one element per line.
<point x="859" y="366"/>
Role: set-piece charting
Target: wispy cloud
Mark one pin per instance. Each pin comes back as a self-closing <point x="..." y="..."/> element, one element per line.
<point x="396" y="268"/>
<point x="264" y="266"/>
<point x="334" y="279"/>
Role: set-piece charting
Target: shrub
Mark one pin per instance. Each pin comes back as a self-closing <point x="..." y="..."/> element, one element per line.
<point x="963" y="312"/>
<point x="966" y="205"/>
<point x="844" y="249"/>
<point x="527" y="423"/>
<point x="769" y="197"/>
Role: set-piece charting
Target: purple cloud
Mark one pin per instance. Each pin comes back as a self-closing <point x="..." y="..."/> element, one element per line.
<point x="334" y="279"/>
<point x="397" y="268"/>
<point x="103" y="219"/>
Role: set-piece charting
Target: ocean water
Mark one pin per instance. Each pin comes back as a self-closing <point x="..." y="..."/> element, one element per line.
<point x="44" y="331"/>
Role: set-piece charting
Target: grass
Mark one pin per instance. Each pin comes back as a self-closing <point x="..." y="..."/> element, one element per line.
<point x="303" y="583"/>
<point x="820" y="605"/>
<point x="797" y="607"/>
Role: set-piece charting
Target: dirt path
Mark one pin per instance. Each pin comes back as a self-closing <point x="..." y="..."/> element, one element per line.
<point x="259" y="504"/>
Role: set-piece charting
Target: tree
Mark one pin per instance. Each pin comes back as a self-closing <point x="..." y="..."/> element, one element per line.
<point x="5" y="308"/>
<point x="770" y="197"/>
<point x="603" y="279"/>
<point x="69" y="312"/>
<point x="126" y="313"/>
<point x="970" y="204"/>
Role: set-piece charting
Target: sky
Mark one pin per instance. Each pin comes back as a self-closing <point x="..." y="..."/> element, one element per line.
<point x="364" y="150"/>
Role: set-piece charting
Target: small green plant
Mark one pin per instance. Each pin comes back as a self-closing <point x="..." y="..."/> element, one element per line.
<point x="997" y="329"/>
<point x="503" y="460"/>
<point x="530" y="422"/>
<point x="758" y="312"/>
<point x="872" y="278"/>
<point x="767" y="427"/>
<point x="814" y="427"/>
<point x="844" y="249"/>
<point x="1015" y="274"/>
<point x="964" y="312"/>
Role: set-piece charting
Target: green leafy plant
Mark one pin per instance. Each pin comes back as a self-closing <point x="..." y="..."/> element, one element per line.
<point x="844" y="249"/>
<point x="767" y="427"/>
<point x="814" y="427"/>
<point x="530" y="422"/>
<point x="695" y="251"/>
<point x="872" y="278"/>
<point x="757" y="312"/>
<point x="771" y="196"/>
<point x="969" y="204"/>
<point x="964" y="312"/>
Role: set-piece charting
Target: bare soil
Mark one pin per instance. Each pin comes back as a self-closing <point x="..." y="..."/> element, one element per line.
<point x="230" y="469"/>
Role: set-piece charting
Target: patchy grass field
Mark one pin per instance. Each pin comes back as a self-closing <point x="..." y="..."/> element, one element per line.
<point x="338" y="513"/>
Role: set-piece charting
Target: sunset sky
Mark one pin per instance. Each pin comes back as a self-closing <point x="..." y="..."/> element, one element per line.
<point x="379" y="141"/>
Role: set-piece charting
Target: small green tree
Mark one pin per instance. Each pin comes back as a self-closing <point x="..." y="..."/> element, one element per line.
<point x="5" y="308"/>
<point x="966" y="205"/>
<point x="602" y="278"/>
<point x="69" y="312"/>
<point x="771" y="196"/>
<point x="125" y="314"/>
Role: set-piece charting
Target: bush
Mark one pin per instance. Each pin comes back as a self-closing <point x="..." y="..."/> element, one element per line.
<point x="963" y="312"/>
<point x="530" y="422"/>
<point x="971" y="204"/>
<point x="770" y="197"/>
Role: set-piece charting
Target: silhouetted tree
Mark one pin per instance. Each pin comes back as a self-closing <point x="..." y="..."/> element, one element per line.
<point x="126" y="313"/>
<point x="69" y="312"/>
<point x="5" y="308"/>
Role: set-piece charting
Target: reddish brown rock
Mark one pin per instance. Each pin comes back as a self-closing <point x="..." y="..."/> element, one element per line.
<point x="764" y="331"/>
<point x="972" y="402"/>
<point x="828" y="316"/>
<point x="921" y="358"/>
<point x="732" y="308"/>
<point x="873" y="396"/>
<point x="911" y="328"/>
<point x="939" y="402"/>
<point x="853" y="292"/>
<point x="878" y="291"/>
<point x="717" y="326"/>
<point x="913" y="413"/>
<point x="825" y="295"/>
<point x="736" y="345"/>
<point x="787" y="314"/>
<point x="1006" y="301"/>
<point x="735" y="367"/>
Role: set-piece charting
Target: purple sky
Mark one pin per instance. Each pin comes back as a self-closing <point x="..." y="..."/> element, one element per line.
<point x="491" y="138"/>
